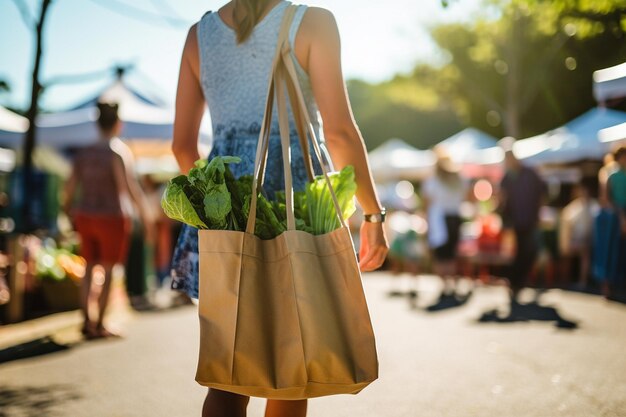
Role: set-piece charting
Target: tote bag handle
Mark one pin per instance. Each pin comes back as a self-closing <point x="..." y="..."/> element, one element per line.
<point x="284" y="73"/>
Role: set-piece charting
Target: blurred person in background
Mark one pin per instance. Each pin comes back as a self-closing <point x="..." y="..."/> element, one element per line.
<point x="521" y="196"/>
<point x="575" y="232"/>
<point x="163" y="226"/>
<point x="443" y="193"/>
<point x="99" y="197"/>
<point x="610" y="166"/>
<point x="609" y="257"/>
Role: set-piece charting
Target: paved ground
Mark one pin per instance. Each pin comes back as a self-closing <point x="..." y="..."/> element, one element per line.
<point x="561" y="357"/>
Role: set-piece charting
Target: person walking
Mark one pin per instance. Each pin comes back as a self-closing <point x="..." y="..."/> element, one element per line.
<point x="522" y="193"/>
<point x="443" y="194"/>
<point x="226" y="63"/>
<point x="576" y="232"/>
<point x="103" y="174"/>
<point x="609" y="264"/>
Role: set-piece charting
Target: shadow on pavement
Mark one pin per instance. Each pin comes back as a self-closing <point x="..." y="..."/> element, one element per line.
<point x="618" y="295"/>
<point x="528" y="312"/>
<point x="34" y="401"/>
<point x="43" y="346"/>
<point x="448" y="301"/>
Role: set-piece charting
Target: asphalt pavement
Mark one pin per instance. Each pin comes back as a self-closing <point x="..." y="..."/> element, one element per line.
<point x="558" y="353"/>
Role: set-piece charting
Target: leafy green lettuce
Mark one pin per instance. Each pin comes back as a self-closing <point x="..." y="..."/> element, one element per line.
<point x="210" y="197"/>
<point x="322" y="216"/>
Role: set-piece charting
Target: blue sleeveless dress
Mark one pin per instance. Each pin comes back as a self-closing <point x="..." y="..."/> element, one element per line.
<point x="234" y="81"/>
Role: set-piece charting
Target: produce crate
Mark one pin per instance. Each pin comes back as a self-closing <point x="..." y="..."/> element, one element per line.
<point x="61" y="295"/>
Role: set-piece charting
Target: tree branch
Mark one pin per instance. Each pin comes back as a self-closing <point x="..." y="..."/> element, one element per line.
<point x="28" y="19"/>
<point x="141" y="15"/>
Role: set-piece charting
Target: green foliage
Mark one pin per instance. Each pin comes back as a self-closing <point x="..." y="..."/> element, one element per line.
<point x="177" y="205"/>
<point x="523" y="68"/>
<point x="321" y="209"/>
<point x="210" y="197"/>
<point x="383" y="112"/>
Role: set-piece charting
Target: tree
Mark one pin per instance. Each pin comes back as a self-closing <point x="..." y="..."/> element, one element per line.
<point x="37" y="26"/>
<point x="523" y="69"/>
<point x="403" y="109"/>
<point x="529" y="69"/>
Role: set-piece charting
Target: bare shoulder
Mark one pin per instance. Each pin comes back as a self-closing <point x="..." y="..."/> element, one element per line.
<point x="318" y="21"/>
<point x="191" y="53"/>
<point x="121" y="150"/>
<point x="191" y="43"/>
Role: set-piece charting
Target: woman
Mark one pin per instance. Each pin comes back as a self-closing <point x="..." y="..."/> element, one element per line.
<point x="226" y="63"/>
<point x="443" y="194"/>
<point x="103" y="173"/>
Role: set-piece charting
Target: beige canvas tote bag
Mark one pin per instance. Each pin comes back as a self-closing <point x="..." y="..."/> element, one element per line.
<point x="284" y="318"/>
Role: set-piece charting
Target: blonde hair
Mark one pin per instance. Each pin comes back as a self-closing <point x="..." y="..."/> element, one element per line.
<point x="250" y="12"/>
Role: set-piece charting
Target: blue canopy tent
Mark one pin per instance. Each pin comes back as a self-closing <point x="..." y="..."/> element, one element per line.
<point x="397" y="160"/>
<point x="575" y="141"/>
<point x="471" y="146"/>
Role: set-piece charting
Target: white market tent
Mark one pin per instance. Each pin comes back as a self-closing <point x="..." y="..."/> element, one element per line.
<point x="467" y="145"/>
<point x="142" y="119"/>
<point x="609" y="83"/>
<point x="613" y="134"/>
<point x="12" y="126"/>
<point x="575" y="141"/>
<point x="396" y="159"/>
<point x="475" y="150"/>
<point x="7" y="160"/>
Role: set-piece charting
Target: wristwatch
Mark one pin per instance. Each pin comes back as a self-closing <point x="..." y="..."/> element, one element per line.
<point x="375" y="217"/>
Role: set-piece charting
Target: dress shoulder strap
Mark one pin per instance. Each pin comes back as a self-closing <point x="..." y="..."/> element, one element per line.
<point x="295" y="25"/>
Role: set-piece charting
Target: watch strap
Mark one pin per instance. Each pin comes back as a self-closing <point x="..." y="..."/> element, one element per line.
<point x="375" y="217"/>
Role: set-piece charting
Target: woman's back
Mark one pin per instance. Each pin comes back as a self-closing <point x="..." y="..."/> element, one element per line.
<point x="100" y="192"/>
<point x="234" y="77"/>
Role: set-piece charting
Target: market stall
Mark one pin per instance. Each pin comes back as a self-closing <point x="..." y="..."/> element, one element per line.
<point x="142" y="120"/>
<point x="476" y="152"/>
<point x="609" y="83"/>
<point x="397" y="160"/>
<point x="12" y="127"/>
<point x="614" y="136"/>
<point x="575" y="141"/>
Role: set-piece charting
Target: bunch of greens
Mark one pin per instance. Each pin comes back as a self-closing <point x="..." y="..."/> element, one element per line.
<point x="58" y="264"/>
<point x="210" y="197"/>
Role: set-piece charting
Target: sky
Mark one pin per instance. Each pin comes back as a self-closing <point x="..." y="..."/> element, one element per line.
<point x="379" y="40"/>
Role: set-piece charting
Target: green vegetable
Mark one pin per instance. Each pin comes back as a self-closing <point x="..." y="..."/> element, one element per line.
<point x="322" y="215"/>
<point x="210" y="197"/>
<point x="178" y="207"/>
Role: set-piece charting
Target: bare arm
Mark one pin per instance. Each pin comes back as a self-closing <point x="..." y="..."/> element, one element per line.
<point x="189" y="106"/>
<point x="69" y="190"/>
<point x="611" y="203"/>
<point x="126" y="168"/>
<point x="318" y="49"/>
<point x="124" y="171"/>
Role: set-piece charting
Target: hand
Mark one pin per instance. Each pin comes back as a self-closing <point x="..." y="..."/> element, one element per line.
<point x="374" y="246"/>
<point x="149" y="233"/>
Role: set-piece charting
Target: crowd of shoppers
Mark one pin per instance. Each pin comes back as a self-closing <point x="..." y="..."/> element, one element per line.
<point x="103" y="195"/>
<point x="588" y="232"/>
